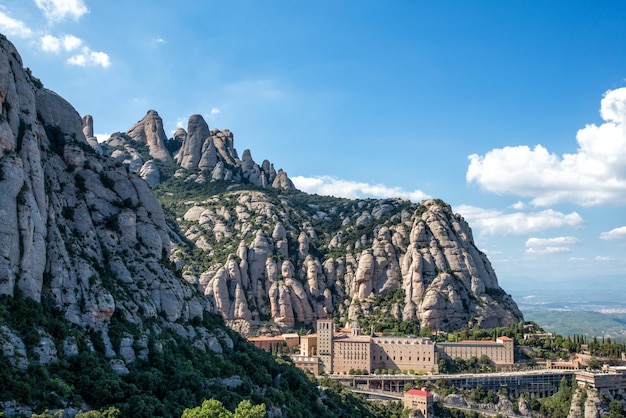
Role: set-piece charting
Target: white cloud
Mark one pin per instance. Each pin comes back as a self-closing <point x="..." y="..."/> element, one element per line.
<point x="89" y="58"/>
<point x="550" y="245"/>
<point x="14" y="27"/>
<point x="594" y="175"/>
<point x="614" y="234"/>
<point x="332" y="186"/>
<point x="50" y="43"/>
<point x="602" y="258"/>
<point x="102" y="137"/>
<point x="159" y="40"/>
<point x="214" y="111"/>
<point x="549" y="242"/>
<point x="68" y="43"/>
<point x="548" y="250"/>
<point x="495" y="222"/>
<point x="519" y="206"/>
<point x="58" y="10"/>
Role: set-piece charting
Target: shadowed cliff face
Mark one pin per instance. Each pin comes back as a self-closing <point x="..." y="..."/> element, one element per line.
<point x="75" y="225"/>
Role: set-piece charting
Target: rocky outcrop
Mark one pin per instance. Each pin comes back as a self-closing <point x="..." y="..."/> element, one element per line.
<point x="299" y="271"/>
<point x="211" y="151"/>
<point x="150" y="173"/>
<point x="89" y="135"/>
<point x="149" y="131"/>
<point x="589" y="403"/>
<point x="76" y="226"/>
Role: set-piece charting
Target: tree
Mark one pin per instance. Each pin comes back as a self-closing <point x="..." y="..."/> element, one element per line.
<point x="211" y="408"/>
<point x="444" y="366"/>
<point x="245" y="409"/>
<point x="616" y="410"/>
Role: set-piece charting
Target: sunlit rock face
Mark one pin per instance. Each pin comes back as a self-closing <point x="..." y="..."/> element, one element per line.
<point x="296" y="263"/>
<point x="76" y="226"/>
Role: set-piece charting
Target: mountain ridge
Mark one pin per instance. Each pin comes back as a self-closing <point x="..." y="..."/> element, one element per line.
<point x="92" y="314"/>
<point x="264" y="253"/>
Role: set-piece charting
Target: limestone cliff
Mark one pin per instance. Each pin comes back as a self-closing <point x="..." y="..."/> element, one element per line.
<point x="76" y="226"/>
<point x="286" y="258"/>
<point x="209" y="151"/>
<point x="294" y="258"/>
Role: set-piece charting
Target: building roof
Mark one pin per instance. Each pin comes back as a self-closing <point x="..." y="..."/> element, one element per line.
<point x="416" y="392"/>
<point x="505" y="338"/>
<point x="470" y="342"/>
<point x="352" y="339"/>
<point x="251" y="339"/>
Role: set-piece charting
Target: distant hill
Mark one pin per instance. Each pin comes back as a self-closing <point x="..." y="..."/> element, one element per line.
<point x="580" y="322"/>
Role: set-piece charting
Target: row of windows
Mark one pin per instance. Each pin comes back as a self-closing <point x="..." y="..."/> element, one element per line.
<point x="409" y="359"/>
<point x="353" y="356"/>
<point x="412" y="341"/>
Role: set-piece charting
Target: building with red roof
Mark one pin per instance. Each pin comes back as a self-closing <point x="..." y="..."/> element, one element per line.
<point x="420" y="401"/>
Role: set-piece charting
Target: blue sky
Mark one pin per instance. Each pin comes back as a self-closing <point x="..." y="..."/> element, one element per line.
<point x="511" y="111"/>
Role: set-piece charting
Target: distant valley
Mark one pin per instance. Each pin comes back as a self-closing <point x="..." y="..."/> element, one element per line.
<point x="582" y="307"/>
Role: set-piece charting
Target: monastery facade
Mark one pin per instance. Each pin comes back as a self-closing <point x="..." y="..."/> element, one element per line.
<point x="348" y="351"/>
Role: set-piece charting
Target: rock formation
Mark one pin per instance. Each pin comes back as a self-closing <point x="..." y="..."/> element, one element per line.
<point x="288" y="257"/>
<point x="149" y="131"/>
<point x="211" y="151"/>
<point x="292" y="265"/>
<point x="77" y="226"/>
<point x="84" y="234"/>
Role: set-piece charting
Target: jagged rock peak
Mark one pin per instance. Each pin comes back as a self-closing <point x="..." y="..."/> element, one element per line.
<point x="191" y="150"/>
<point x="212" y="151"/>
<point x="88" y="132"/>
<point x="149" y="130"/>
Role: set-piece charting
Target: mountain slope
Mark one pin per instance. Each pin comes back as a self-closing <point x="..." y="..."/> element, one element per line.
<point x="266" y="253"/>
<point x="92" y="314"/>
<point x="263" y="255"/>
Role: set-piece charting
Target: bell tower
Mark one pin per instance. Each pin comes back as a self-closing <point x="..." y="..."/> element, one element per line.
<point x="325" y="334"/>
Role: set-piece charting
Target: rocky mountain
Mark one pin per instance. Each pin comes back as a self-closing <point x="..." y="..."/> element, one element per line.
<point x="263" y="255"/>
<point x="266" y="253"/>
<point x="120" y="261"/>
<point x="74" y="220"/>
<point x="202" y="153"/>
<point x="92" y="312"/>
